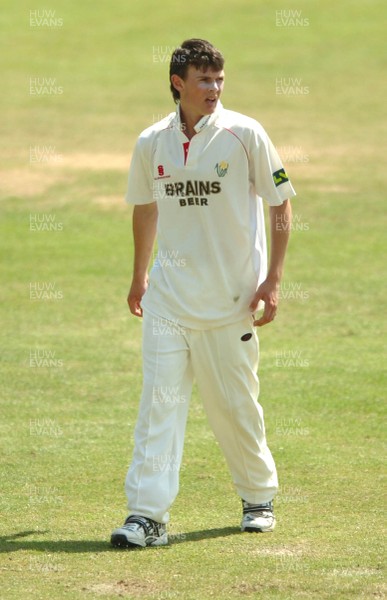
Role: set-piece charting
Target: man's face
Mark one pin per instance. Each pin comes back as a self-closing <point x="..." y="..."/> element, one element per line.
<point x="200" y="90"/>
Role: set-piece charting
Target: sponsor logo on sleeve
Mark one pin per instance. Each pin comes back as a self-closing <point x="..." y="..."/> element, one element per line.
<point x="279" y="177"/>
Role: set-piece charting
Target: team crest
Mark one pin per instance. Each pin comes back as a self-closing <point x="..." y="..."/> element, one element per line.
<point x="222" y="168"/>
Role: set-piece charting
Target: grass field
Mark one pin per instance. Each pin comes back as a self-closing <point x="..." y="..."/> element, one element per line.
<point x="71" y="368"/>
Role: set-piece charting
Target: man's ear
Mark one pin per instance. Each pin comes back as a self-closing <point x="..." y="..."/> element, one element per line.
<point x="177" y="82"/>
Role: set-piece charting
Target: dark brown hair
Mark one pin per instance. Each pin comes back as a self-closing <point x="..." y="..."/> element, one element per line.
<point x="199" y="53"/>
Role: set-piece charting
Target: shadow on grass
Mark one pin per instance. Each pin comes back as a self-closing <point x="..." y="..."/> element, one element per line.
<point x="15" y="542"/>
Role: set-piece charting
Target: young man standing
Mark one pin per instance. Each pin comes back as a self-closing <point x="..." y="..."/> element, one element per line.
<point x="196" y="181"/>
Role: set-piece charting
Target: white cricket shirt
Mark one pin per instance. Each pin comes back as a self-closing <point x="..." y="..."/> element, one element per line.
<point x="211" y="234"/>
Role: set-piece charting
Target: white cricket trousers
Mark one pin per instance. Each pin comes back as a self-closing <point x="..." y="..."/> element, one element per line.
<point x="225" y="368"/>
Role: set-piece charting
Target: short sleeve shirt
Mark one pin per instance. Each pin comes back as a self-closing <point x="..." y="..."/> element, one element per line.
<point x="210" y="233"/>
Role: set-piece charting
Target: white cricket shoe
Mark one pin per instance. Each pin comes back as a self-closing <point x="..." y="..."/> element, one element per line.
<point x="139" y="531"/>
<point x="258" y="518"/>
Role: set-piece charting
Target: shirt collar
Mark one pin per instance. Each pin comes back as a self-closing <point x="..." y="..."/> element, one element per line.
<point x="204" y="122"/>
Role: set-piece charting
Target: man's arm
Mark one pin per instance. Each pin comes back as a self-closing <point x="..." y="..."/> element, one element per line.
<point x="144" y="234"/>
<point x="280" y="225"/>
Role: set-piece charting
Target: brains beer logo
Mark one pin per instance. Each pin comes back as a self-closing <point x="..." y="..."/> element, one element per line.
<point x="221" y="168"/>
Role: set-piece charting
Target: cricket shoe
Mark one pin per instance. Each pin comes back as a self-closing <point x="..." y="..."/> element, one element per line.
<point x="258" y="517"/>
<point x="139" y="531"/>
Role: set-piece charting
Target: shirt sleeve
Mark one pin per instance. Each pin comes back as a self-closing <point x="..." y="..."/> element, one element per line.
<point x="140" y="180"/>
<point x="267" y="171"/>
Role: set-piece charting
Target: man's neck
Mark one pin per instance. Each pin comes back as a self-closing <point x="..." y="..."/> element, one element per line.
<point x="188" y="122"/>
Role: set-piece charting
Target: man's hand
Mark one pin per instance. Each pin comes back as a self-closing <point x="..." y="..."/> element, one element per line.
<point x="268" y="290"/>
<point x="268" y="293"/>
<point x="136" y="292"/>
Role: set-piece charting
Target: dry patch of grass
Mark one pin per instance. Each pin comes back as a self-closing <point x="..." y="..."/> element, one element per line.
<point x="37" y="178"/>
<point x="130" y="588"/>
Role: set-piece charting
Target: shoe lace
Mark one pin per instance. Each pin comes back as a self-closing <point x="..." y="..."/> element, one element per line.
<point x="149" y="526"/>
<point x="250" y="516"/>
<point x="252" y="511"/>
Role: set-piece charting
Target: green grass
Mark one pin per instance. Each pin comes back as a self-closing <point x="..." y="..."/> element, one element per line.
<point x="62" y="490"/>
